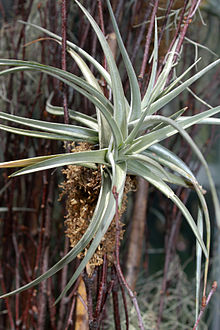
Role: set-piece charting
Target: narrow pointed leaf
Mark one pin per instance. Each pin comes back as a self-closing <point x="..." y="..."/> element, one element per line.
<point x="42" y="135"/>
<point x="26" y="161"/>
<point x="142" y="171"/>
<point x="74" y="47"/>
<point x="198" y="262"/>
<point x="84" y="241"/>
<point x="118" y="93"/>
<point x="134" y="86"/>
<point x="68" y="78"/>
<point x="161" y="102"/>
<point x="56" y="128"/>
<point x="86" y="158"/>
<point x="146" y="99"/>
<point x="151" y="138"/>
<point x="76" y="115"/>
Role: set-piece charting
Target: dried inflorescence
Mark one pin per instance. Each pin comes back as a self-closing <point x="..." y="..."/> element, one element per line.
<point x="81" y="187"/>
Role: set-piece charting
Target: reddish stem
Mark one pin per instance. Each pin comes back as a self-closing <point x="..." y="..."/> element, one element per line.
<point x="8" y="307"/>
<point x="64" y="23"/>
<point x="148" y="41"/>
<point x="203" y="307"/>
<point x="100" y="10"/>
<point x="70" y="317"/>
<point x="118" y="267"/>
<point x="102" y="288"/>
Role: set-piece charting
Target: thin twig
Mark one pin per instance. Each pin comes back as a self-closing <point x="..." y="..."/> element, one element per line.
<point x="118" y="267"/>
<point x="70" y="317"/>
<point x="125" y="306"/>
<point x="11" y="321"/>
<point x="89" y="285"/>
<point x="64" y="23"/>
<point x="63" y="284"/>
<point x="100" y="11"/>
<point x="115" y="301"/>
<point x="17" y="277"/>
<point x="203" y="307"/>
<point x="102" y="288"/>
<point x="140" y="35"/>
<point x="147" y="43"/>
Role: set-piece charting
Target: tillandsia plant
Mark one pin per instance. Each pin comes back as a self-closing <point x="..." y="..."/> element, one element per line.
<point x="123" y="139"/>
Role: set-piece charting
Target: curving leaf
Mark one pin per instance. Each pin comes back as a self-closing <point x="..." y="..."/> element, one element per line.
<point x="143" y="171"/>
<point x="103" y="106"/>
<point x="198" y="262"/>
<point x="80" y="133"/>
<point x="117" y="90"/>
<point x="44" y="135"/>
<point x="135" y="107"/>
<point x="72" y="46"/>
<point x="154" y="137"/>
<point x="85" y="158"/>
<point x="76" y="115"/>
<point x="68" y="78"/>
<point x="148" y="93"/>
<point x="84" y="241"/>
<point x="161" y="102"/>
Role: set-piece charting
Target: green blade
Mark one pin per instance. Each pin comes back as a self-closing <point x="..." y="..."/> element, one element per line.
<point x="135" y="108"/>
<point x="117" y="90"/>
<point x="85" y="158"/>
<point x="198" y="262"/>
<point x="161" y="102"/>
<point x="144" y="172"/>
<point x="151" y="138"/>
<point x="84" y="241"/>
<point x="72" y="46"/>
<point x="43" y="135"/>
<point x="75" y="115"/>
<point x="103" y="106"/>
<point x="147" y="96"/>
<point x="56" y="128"/>
<point x="26" y="161"/>
<point x="68" y="78"/>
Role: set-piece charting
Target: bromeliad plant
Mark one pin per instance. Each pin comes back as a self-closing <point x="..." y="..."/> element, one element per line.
<point x="126" y="134"/>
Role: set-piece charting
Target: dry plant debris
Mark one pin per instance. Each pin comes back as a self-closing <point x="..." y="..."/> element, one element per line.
<point x="81" y="188"/>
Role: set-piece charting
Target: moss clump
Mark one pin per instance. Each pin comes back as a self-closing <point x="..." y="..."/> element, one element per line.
<point x="81" y="187"/>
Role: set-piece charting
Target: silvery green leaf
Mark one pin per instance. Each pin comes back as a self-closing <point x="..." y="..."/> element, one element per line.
<point x="117" y="90"/>
<point x="147" y="96"/>
<point x="26" y="161"/>
<point x="68" y="78"/>
<point x="163" y="133"/>
<point x="83" y="158"/>
<point x="56" y="128"/>
<point x="196" y="150"/>
<point x="74" y="47"/>
<point x="76" y="115"/>
<point x="162" y="101"/>
<point x="42" y="135"/>
<point x="144" y="172"/>
<point x="83" y="242"/>
<point x="104" y="106"/>
<point x="135" y="107"/>
<point x="198" y="262"/>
